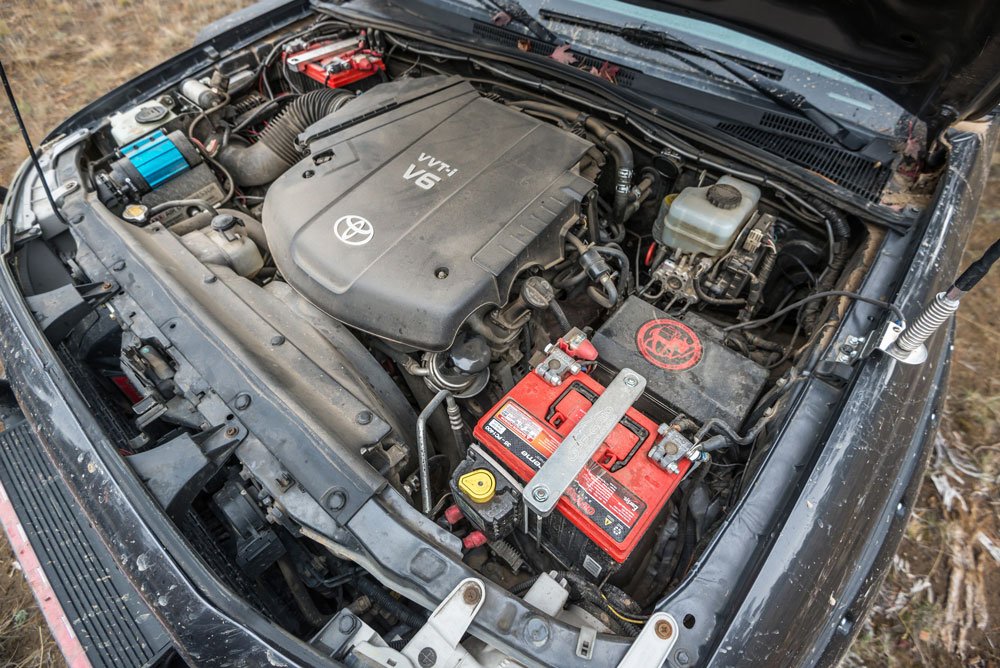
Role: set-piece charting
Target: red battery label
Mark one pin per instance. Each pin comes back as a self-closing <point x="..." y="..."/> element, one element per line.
<point x="610" y="505"/>
<point x="618" y="494"/>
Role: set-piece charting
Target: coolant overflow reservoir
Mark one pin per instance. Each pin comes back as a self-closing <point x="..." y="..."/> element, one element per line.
<point x="706" y="220"/>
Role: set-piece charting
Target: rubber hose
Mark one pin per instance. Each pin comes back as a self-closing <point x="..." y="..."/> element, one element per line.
<point x="624" y="265"/>
<point x="300" y="595"/>
<point x="275" y="151"/>
<point x="715" y="301"/>
<point x="841" y="238"/>
<point x="381" y="598"/>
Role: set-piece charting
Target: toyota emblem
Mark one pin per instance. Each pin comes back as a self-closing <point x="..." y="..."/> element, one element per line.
<point x="353" y="230"/>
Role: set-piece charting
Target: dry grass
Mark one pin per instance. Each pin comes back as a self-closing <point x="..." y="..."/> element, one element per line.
<point x="939" y="605"/>
<point x="62" y="55"/>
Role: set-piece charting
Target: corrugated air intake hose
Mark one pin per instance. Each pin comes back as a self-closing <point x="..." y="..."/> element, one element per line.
<point x="275" y="151"/>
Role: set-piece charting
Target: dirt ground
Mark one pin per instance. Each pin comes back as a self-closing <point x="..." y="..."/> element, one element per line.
<point x="940" y="604"/>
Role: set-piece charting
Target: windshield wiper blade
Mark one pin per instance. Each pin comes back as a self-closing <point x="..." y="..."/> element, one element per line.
<point x="518" y="13"/>
<point x="665" y="42"/>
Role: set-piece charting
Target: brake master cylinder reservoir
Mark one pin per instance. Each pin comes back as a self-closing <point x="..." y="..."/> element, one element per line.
<point x="706" y="220"/>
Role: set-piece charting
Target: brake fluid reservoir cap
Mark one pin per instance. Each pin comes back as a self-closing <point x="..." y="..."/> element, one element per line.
<point x="724" y="196"/>
<point x="479" y="485"/>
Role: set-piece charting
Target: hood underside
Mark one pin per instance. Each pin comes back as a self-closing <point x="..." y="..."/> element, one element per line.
<point x="938" y="60"/>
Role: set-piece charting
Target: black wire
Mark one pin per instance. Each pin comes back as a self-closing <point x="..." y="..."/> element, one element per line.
<point x="978" y="269"/>
<point x="27" y="142"/>
<point x="750" y="324"/>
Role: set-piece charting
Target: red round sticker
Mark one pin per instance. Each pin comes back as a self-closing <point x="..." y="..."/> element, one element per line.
<point x="669" y="344"/>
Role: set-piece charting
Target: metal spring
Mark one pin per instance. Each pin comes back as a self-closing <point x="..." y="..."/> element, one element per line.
<point x="927" y="323"/>
<point x="455" y="416"/>
<point x="508" y="553"/>
<point x="251" y="101"/>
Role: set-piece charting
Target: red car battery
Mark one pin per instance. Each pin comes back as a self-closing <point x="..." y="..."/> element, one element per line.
<point x="619" y="494"/>
<point x="335" y="64"/>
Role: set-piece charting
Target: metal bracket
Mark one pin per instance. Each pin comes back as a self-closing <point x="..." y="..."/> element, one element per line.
<point x="887" y="336"/>
<point x="441" y="636"/>
<point x="653" y="645"/>
<point x="437" y="643"/>
<point x="320" y="52"/>
<point x="544" y="490"/>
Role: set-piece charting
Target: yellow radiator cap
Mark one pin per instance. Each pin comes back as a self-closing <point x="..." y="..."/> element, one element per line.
<point x="479" y="485"/>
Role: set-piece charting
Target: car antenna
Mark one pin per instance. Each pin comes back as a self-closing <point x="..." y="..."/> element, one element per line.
<point x="908" y="346"/>
<point x="28" y="144"/>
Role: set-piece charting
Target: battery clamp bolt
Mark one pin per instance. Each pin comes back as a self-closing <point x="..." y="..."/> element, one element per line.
<point x="540" y="494"/>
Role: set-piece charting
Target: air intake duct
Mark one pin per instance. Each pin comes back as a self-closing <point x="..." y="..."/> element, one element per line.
<point x="275" y="151"/>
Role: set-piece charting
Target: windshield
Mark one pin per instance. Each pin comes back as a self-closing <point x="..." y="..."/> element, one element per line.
<point x="827" y="89"/>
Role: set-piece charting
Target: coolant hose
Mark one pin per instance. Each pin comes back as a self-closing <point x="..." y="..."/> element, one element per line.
<point x="275" y="151"/>
<point x="621" y="152"/>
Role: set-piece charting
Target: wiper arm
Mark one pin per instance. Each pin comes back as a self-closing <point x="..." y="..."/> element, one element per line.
<point x="518" y="13"/>
<point x="664" y="42"/>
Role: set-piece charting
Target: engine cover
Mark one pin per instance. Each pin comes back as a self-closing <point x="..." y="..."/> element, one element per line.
<point x="419" y="204"/>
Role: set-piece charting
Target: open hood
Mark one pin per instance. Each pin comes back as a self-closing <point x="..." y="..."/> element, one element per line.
<point x="938" y="60"/>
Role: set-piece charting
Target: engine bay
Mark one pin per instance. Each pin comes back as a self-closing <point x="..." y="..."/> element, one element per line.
<point x="563" y="346"/>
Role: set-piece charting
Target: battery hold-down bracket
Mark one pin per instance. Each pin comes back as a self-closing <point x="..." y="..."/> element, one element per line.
<point x="552" y="480"/>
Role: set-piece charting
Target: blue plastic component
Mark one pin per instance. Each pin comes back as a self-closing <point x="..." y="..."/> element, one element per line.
<point x="155" y="158"/>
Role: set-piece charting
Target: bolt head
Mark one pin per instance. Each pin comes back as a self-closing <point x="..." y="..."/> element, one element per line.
<point x="336" y="500"/>
<point x="427" y="657"/>
<point x="471" y="594"/>
<point x="277" y="340"/>
<point x="347" y="623"/>
<point x="540" y="494"/>
<point x="242" y="401"/>
<point x="537" y="631"/>
<point x="664" y="629"/>
<point x="364" y="417"/>
<point x="631" y="381"/>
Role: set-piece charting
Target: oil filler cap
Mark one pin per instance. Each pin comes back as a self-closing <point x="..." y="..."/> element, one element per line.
<point x="479" y="485"/>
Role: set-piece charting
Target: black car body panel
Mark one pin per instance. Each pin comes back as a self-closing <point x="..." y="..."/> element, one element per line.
<point x="819" y="547"/>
